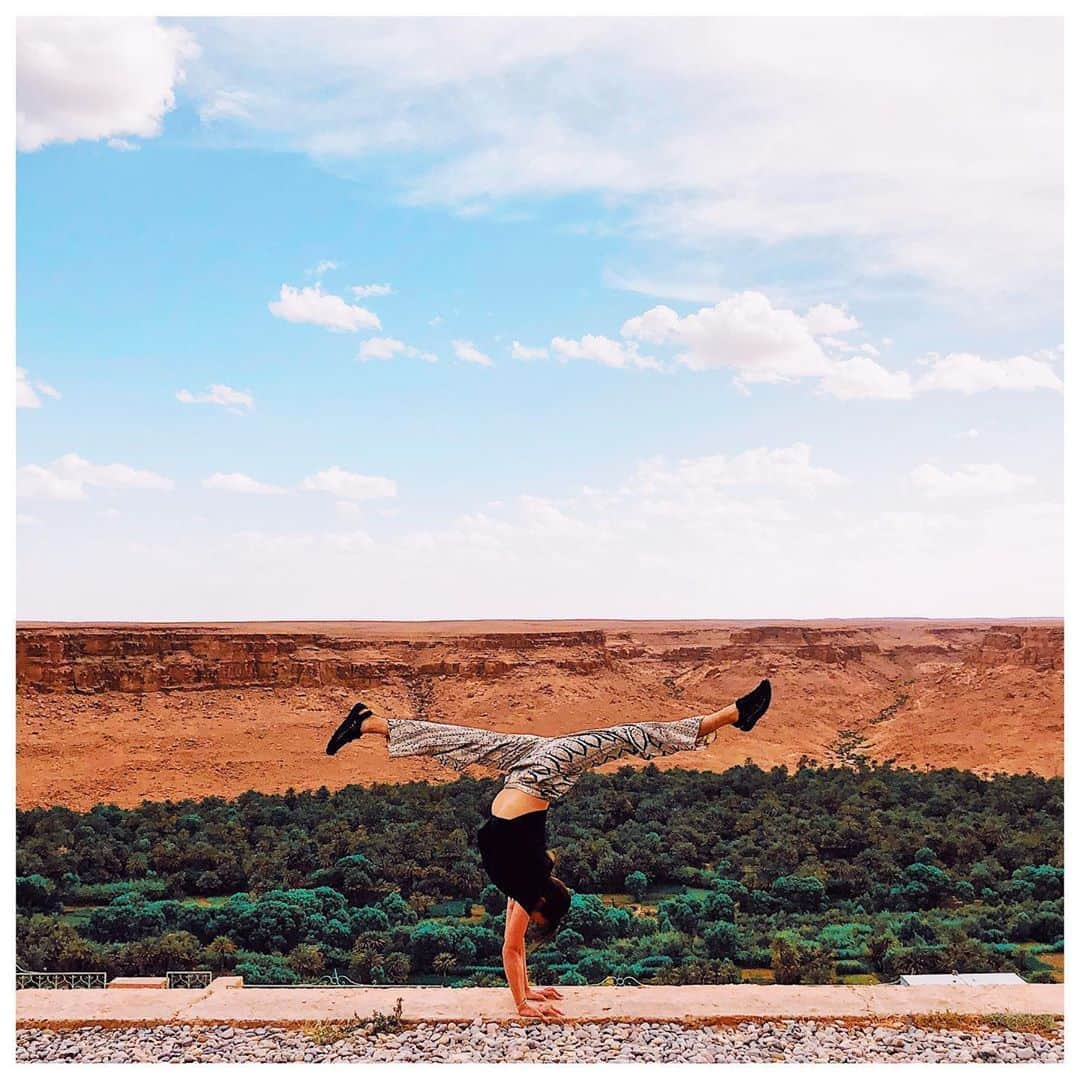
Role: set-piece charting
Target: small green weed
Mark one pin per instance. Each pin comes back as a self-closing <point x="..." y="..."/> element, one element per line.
<point x="332" y="1031"/>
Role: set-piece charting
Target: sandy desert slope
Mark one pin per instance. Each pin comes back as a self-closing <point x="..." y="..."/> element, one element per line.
<point x="122" y="713"/>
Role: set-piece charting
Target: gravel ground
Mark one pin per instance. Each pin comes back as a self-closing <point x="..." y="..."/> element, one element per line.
<point x="793" y="1040"/>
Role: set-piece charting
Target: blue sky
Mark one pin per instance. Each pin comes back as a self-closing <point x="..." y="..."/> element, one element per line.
<point x="447" y="319"/>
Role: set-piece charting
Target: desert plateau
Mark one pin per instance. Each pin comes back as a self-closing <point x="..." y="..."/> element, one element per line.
<point x="126" y="713"/>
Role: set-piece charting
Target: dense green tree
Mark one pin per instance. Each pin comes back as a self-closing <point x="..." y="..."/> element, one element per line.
<point x="44" y="943"/>
<point x="492" y="899"/>
<point x="588" y="916"/>
<point x="35" y="894"/>
<point x="220" y="955"/>
<point x="569" y="942"/>
<point x="261" y="970"/>
<point x="307" y="961"/>
<point x="397" y="910"/>
<point x="877" y="946"/>
<point x="682" y="913"/>
<point x="799" y="892"/>
<point x="722" y="940"/>
<point x="127" y="918"/>
<point x="443" y="964"/>
<point x="1047" y="882"/>
<point x="395" y="968"/>
<point x="636" y="884"/>
<point x="796" y="961"/>
<point x="718" y="906"/>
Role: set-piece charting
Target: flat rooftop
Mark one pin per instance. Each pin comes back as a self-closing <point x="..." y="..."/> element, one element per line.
<point x="227" y="1001"/>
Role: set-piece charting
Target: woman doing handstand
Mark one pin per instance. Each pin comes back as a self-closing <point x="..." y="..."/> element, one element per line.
<point x="538" y="770"/>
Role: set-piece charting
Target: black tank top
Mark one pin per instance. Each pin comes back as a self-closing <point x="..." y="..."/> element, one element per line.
<point x="514" y="853"/>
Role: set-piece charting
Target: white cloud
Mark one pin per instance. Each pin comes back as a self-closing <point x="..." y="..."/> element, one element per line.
<point x="838" y="345"/>
<point x="545" y="518"/>
<point x="240" y="484"/>
<point x="970" y="433"/>
<point x="227" y="104"/>
<point x="745" y="332"/>
<point x="783" y="467"/>
<point x="381" y="348"/>
<point x="467" y="351"/>
<point x="323" y="267"/>
<point x="95" y="78"/>
<point x="360" y="291"/>
<point x="706" y="541"/>
<point x="684" y="126"/>
<point x="526" y="352"/>
<point x="690" y="286"/>
<point x="970" y="374"/>
<point x="219" y="394"/>
<point x="274" y="546"/>
<point x="665" y="516"/>
<point x="68" y="477"/>
<point x="966" y="373"/>
<point x="311" y="305"/>
<point x="350" y="511"/>
<point x="656" y="326"/>
<point x="353" y="540"/>
<point x="350" y="486"/>
<point x="1051" y="355"/>
<point x="603" y="351"/>
<point x="124" y="146"/>
<point x="384" y="348"/>
<point x="27" y="390"/>
<point x="968" y="480"/>
<point x="761" y="342"/>
<point x="861" y="377"/>
<point x="530" y="523"/>
<point x="826" y="320"/>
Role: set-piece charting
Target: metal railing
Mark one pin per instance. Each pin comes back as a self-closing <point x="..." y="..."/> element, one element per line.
<point x="189" y="980"/>
<point x="60" y="980"/>
<point x="334" y="978"/>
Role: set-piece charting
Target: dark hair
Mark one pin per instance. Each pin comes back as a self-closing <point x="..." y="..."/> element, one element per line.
<point x="553" y="904"/>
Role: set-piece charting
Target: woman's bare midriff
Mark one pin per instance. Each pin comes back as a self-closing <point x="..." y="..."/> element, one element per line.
<point x="513" y="802"/>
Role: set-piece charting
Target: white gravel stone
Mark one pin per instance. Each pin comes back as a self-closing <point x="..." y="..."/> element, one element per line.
<point x="805" y="1041"/>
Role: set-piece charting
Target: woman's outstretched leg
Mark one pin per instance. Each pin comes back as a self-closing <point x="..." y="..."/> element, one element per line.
<point x="743" y="713"/>
<point x="455" y="744"/>
<point x="554" y="766"/>
<point x="375" y="725"/>
<point x="452" y="744"/>
<point x="710" y="722"/>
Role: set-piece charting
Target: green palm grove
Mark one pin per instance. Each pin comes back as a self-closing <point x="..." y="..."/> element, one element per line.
<point x="822" y="874"/>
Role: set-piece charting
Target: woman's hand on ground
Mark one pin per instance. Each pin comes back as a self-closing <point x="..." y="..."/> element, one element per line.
<point x="544" y="1010"/>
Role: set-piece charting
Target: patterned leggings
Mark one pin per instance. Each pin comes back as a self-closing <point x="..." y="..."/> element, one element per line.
<point x="546" y="767"/>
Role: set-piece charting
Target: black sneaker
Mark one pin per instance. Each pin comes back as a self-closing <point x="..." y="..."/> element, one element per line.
<point x="752" y="706"/>
<point x="349" y="728"/>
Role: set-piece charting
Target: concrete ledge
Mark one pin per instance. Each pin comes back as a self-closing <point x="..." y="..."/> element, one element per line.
<point x="139" y="982"/>
<point x="224" y="1002"/>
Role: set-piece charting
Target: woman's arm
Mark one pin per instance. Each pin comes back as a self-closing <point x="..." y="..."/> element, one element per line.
<point x="528" y="1002"/>
<point x="513" y="951"/>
